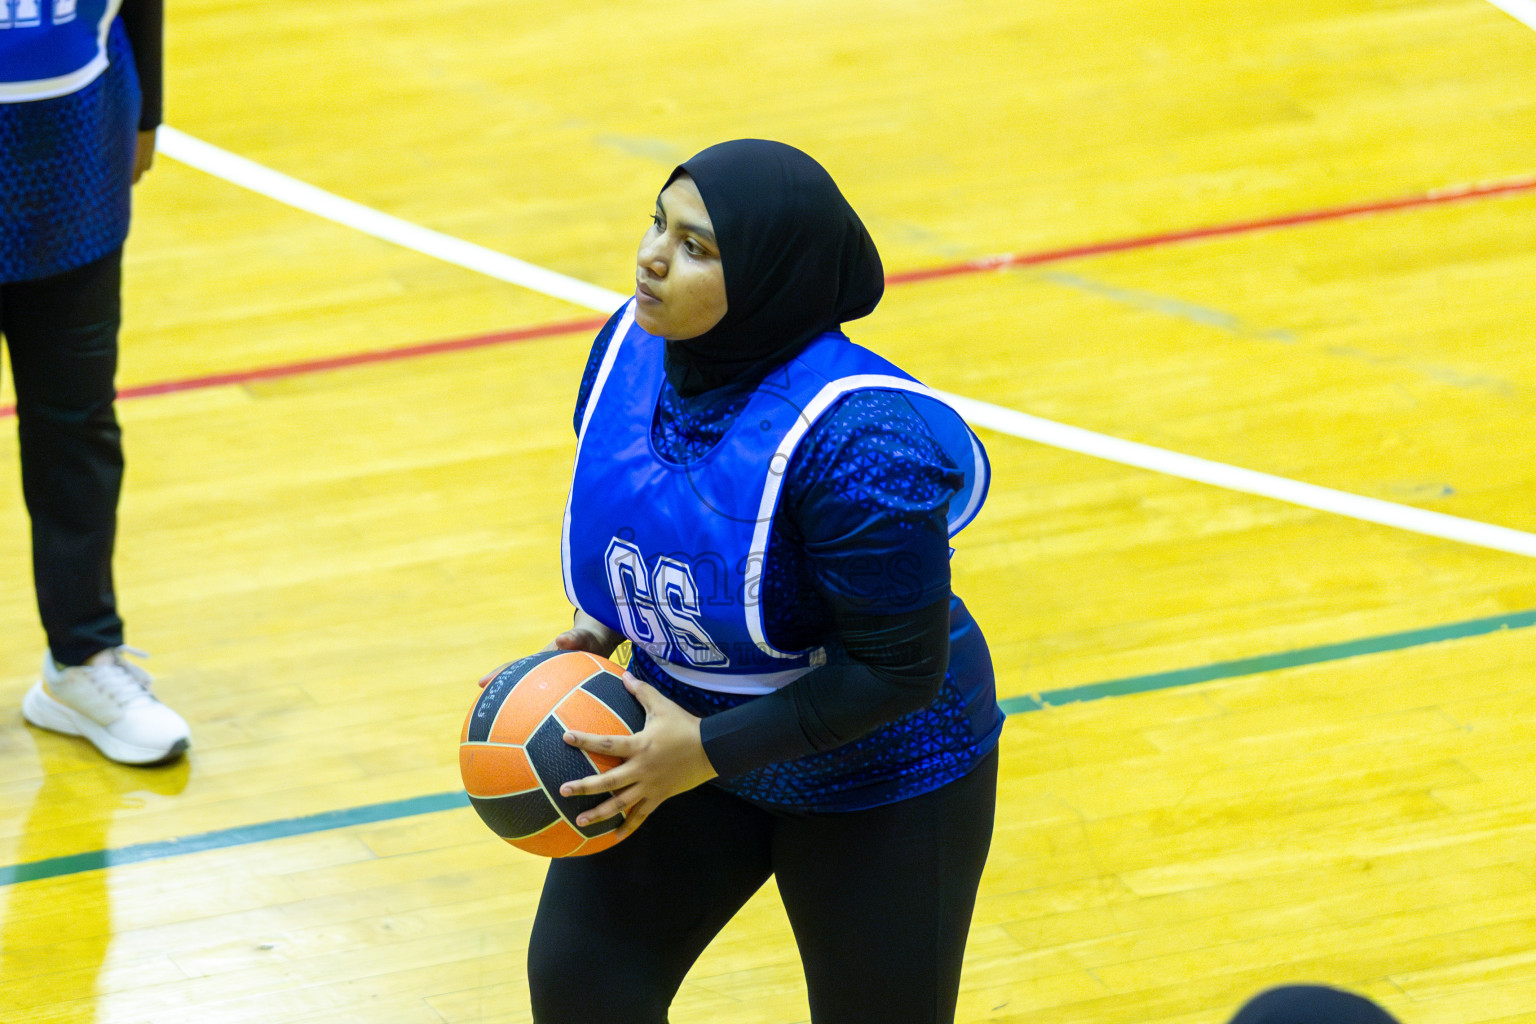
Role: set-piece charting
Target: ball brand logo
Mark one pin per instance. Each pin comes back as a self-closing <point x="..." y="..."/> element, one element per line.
<point x="490" y="701"/>
<point x="504" y="679"/>
<point x="29" y="13"/>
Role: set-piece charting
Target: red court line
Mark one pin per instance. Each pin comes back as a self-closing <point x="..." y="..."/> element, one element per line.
<point x="387" y="355"/>
<point x="1456" y="193"/>
<point x="1434" y="198"/>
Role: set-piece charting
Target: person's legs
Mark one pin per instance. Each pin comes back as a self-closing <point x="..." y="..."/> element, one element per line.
<point x="881" y="900"/>
<point x="1310" y="1004"/>
<point x="62" y="336"/>
<point x="617" y="931"/>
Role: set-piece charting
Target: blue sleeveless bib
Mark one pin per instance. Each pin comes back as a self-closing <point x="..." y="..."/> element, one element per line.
<point x="52" y="47"/>
<point x="672" y="555"/>
<point x="66" y="141"/>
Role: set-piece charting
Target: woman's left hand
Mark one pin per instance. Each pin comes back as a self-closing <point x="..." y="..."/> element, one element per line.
<point x="143" y="154"/>
<point x="660" y="761"/>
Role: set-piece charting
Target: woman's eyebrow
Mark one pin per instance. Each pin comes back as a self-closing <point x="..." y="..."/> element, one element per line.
<point x="698" y="229"/>
<point x="703" y="232"/>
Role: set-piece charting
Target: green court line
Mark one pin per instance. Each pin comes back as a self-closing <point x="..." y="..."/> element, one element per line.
<point x="245" y="835"/>
<point x="96" y="860"/>
<point x="1268" y="662"/>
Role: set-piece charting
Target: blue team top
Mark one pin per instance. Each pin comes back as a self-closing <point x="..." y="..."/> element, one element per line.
<point x="66" y="158"/>
<point x="52" y="47"/>
<point x="868" y="486"/>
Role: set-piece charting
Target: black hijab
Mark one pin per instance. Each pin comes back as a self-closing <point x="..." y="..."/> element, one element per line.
<point x="797" y="261"/>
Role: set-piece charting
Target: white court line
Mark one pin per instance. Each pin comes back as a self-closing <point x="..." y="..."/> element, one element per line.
<point x="1248" y="481"/>
<point x="275" y="185"/>
<point x="1520" y="10"/>
<point x="267" y="182"/>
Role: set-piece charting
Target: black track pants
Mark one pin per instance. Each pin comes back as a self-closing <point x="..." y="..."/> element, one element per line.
<point x="880" y="902"/>
<point x="62" y="336"/>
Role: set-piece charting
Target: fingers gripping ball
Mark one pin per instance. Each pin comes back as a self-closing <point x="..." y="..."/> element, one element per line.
<point x="513" y="756"/>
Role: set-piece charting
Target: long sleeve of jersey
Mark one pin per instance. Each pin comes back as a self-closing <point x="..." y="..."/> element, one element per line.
<point x="866" y="499"/>
<point x="884" y="666"/>
<point x="145" y="22"/>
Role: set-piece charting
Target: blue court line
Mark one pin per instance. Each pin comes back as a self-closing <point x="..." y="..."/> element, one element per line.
<point x="96" y="860"/>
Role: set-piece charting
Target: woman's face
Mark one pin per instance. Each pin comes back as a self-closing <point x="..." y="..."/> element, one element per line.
<point x="679" y="282"/>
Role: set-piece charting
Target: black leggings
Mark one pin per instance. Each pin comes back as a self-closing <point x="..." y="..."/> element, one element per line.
<point x="880" y="902"/>
<point x="62" y="335"/>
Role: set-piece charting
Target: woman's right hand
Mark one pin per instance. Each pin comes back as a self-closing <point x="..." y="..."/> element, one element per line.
<point x="587" y="634"/>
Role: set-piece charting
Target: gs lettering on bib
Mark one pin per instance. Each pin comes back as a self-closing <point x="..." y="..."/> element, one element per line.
<point x="52" y="48"/>
<point x="672" y="555"/>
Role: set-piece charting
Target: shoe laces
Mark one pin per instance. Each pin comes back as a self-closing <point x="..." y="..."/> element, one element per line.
<point x="123" y="681"/>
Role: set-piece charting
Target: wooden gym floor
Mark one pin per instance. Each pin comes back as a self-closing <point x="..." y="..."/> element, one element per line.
<point x="1252" y="740"/>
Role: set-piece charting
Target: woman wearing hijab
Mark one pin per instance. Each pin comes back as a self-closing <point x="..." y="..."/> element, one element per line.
<point x="764" y="510"/>
<point x="1311" y="1004"/>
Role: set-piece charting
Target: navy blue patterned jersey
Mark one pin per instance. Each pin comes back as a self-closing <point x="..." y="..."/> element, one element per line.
<point x="65" y="170"/>
<point x="868" y="487"/>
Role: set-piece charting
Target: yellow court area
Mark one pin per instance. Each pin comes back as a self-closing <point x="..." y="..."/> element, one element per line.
<point x="325" y="560"/>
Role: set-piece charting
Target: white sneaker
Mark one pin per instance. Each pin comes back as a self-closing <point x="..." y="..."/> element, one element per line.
<point x="107" y="700"/>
